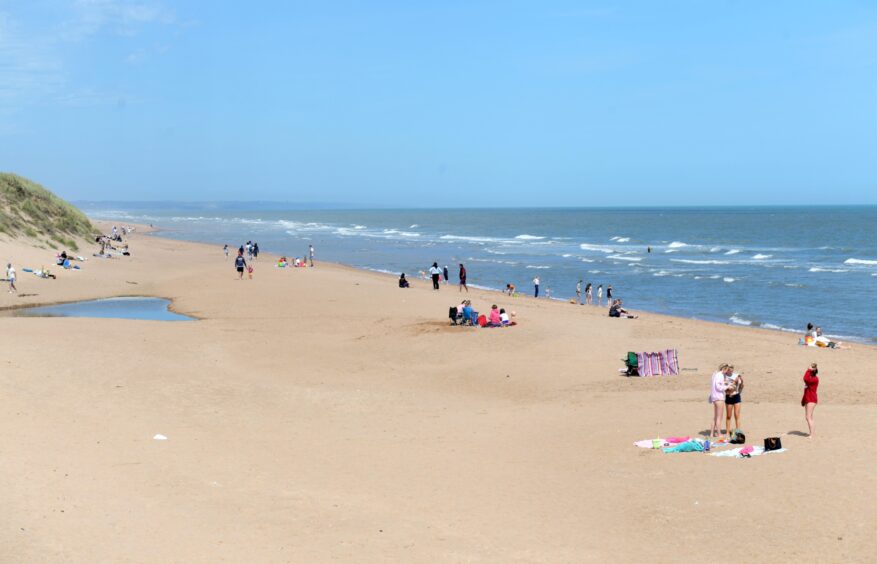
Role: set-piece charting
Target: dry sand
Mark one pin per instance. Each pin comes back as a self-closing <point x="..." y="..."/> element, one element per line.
<point x="324" y="414"/>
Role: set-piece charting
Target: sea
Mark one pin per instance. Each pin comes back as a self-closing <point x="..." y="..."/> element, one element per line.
<point x="772" y="267"/>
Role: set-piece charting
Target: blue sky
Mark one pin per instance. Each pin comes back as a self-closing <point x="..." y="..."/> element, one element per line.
<point x="443" y="104"/>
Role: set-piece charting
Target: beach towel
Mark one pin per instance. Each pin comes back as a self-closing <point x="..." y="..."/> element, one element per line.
<point x="739" y="452"/>
<point x="663" y="363"/>
<point x="688" y="446"/>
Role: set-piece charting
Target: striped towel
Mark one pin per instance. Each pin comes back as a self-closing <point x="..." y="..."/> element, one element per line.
<point x="664" y="363"/>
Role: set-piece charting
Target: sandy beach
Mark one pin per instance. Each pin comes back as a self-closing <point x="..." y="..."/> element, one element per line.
<point x="323" y="414"/>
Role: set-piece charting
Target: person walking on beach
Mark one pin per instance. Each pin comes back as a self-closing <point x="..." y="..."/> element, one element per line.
<point x="609" y="295"/>
<point x="733" y="399"/>
<point x="255" y="251"/>
<point x="810" y="399"/>
<point x="600" y="295"/>
<point x="445" y="273"/>
<point x="435" y="272"/>
<point x="536" y="287"/>
<point x="463" y="278"/>
<point x="589" y="299"/>
<point x="579" y="292"/>
<point x="225" y="250"/>
<point x="311" y="254"/>
<point x="10" y="275"/>
<point x="240" y="264"/>
<point x="717" y="399"/>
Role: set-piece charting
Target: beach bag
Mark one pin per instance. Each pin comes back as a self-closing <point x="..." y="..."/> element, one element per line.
<point x="772" y="443"/>
<point x="739" y="439"/>
<point x="482" y="321"/>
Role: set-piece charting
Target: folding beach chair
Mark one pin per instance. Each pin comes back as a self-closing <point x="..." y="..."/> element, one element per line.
<point x="632" y="364"/>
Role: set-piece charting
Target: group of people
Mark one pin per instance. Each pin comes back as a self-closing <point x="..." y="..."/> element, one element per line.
<point x="726" y="399"/>
<point x="497" y="317"/>
<point x="588" y="294"/>
<point x="442" y="274"/>
<point x="813" y="337"/>
<point x="252" y="251"/>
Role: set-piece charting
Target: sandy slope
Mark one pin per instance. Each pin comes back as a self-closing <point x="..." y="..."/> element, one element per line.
<point x="324" y="414"/>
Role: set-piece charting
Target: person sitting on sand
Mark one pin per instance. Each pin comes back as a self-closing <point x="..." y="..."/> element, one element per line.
<point x="504" y="317"/>
<point x="468" y="312"/>
<point x="495" y="319"/>
<point x="617" y="311"/>
<point x="403" y="282"/>
<point x="823" y="341"/>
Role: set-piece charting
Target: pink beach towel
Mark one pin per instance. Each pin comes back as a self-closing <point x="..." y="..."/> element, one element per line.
<point x="664" y="363"/>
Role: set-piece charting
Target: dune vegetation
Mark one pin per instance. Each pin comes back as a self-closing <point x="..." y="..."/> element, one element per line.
<point x="30" y="210"/>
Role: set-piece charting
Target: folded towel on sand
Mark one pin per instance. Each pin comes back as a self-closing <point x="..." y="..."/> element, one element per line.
<point x="739" y="452"/>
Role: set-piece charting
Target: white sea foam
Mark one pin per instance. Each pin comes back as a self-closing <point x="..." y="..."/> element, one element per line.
<point x="715" y="277"/>
<point x="470" y="239"/>
<point x="739" y="320"/>
<point x="668" y="251"/>
<point x="733" y="252"/>
<point x="661" y="273"/>
<point x="526" y="237"/>
<point x="715" y="249"/>
<point x="359" y="227"/>
<point x="413" y="226"/>
<point x="861" y="261"/>
<point x="621" y="257"/>
<point x="728" y="279"/>
<point x="566" y="255"/>
<point x="589" y="247"/>
<point x="620" y="239"/>
<point x="677" y="245"/>
<point x="693" y="261"/>
<point x="586" y="260"/>
<point x="760" y="256"/>
<point x="537" y="267"/>
<point x="817" y="269"/>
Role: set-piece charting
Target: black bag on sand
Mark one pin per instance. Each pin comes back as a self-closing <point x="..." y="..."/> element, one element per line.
<point x="772" y="443"/>
<point x="739" y="439"/>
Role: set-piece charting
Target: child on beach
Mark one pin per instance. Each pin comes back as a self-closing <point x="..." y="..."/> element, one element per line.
<point x="495" y="319"/>
<point x="250" y="271"/>
<point x="225" y="249"/>
<point x="588" y="297"/>
<point x="10" y="275"/>
<point x="600" y="295"/>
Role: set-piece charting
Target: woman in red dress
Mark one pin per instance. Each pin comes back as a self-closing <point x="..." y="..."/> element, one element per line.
<point x="809" y="401"/>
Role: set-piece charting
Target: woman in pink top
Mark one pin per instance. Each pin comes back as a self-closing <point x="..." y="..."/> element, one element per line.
<point x="717" y="398"/>
<point x="495" y="319"/>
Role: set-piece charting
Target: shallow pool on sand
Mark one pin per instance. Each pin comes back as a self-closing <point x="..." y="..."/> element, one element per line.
<point x="153" y="309"/>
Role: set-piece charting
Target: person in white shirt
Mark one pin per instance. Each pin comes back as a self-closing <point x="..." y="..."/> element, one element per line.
<point x="10" y="275"/>
<point x="436" y="274"/>
<point x="536" y="287"/>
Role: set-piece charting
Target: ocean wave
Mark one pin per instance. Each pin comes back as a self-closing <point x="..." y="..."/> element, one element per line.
<point x="621" y="257"/>
<point x="401" y="233"/>
<point x="359" y="227"/>
<point x="661" y="273"/>
<point x="733" y="252"/>
<point x="670" y="251"/>
<point x="818" y="269"/>
<point x="413" y="226"/>
<point x="470" y="239"/>
<point x="693" y="261"/>
<point x="715" y="249"/>
<point x="739" y="320"/>
<point x="677" y="245"/>
<point x="760" y="256"/>
<point x="620" y="239"/>
<point x="861" y="261"/>
<point x="537" y="267"/>
<point x="526" y="237"/>
<point x="597" y="248"/>
<point x="566" y="255"/>
<point x="728" y="279"/>
<point x="586" y="260"/>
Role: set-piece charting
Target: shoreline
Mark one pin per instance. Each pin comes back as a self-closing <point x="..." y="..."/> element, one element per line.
<point x="859" y="341"/>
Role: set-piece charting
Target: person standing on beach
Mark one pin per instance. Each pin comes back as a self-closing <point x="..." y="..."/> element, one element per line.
<point x="579" y="292"/>
<point x="463" y="278"/>
<point x="10" y="275"/>
<point x="733" y="399"/>
<point x="810" y="399"/>
<point x="311" y="254"/>
<point x="589" y="299"/>
<point x="435" y="272"/>
<point x="240" y="264"/>
<point x="609" y="295"/>
<point x="225" y="250"/>
<point x="600" y="295"/>
<point x="255" y="251"/>
<point x="536" y="287"/>
<point x="445" y="273"/>
<point x="717" y="399"/>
